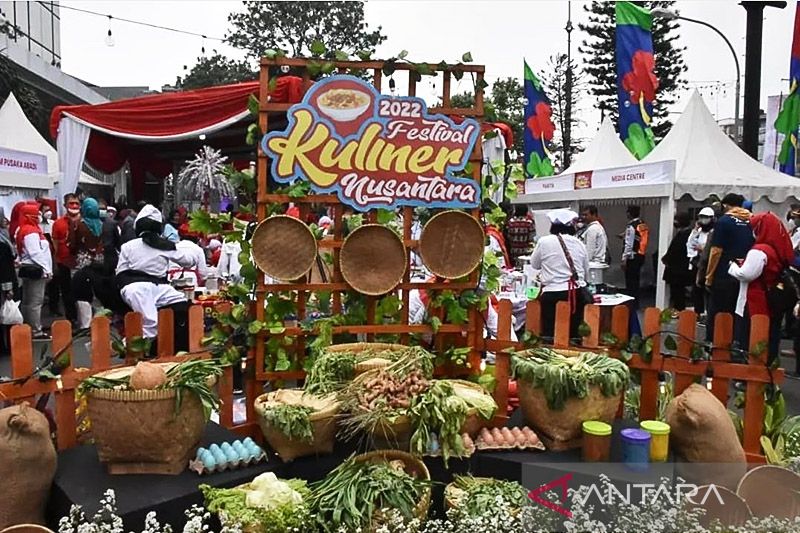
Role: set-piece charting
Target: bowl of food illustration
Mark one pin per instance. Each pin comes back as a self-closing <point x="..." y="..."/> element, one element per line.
<point x="343" y="105"/>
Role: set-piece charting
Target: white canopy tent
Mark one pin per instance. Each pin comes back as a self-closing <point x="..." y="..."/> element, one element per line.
<point x="709" y="162"/>
<point x="695" y="160"/>
<point x="18" y="134"/>
<point x="604" y="151"/>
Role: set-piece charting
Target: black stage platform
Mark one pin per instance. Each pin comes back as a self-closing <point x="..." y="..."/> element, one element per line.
<point x="81" y="479"/>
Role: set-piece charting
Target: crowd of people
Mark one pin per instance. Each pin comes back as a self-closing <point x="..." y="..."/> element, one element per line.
<point x="95" y="255"/>
<point x="727" y="260"/>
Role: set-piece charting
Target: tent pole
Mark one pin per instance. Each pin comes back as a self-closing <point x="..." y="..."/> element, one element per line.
<point x="664" y="237"/>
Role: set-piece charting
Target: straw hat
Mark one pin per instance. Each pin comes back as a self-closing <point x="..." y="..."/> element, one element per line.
<point x="284" y="248"/>
<point x="373" y="259"/>
<point x="451" y="244"/>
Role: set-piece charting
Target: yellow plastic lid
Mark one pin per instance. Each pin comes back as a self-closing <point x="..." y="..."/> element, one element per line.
<point x="595" y="427"/>
<point x="654" y="427"/>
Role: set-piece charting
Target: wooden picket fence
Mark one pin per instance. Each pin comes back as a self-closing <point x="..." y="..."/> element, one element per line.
<point x="601" y="320"/>
<point x="24" y="362"/>
<point x="756" y="375"/>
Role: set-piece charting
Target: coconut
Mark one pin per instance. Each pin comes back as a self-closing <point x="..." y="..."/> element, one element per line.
<point x="147" y="376"/>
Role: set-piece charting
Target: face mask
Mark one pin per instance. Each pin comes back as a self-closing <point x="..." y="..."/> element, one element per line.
<point x="103" y="213"/>
<point x="48" y="215"/>
<point x="73" y="211"/>
<point x="41" y="218"/>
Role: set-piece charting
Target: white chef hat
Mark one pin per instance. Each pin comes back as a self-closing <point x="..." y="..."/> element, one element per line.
<point x="706" y="212"/>
<point x="150" y="212"/>
<point x="562" y="216"/>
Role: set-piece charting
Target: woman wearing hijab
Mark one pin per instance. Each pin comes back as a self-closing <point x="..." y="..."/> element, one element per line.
<point x="142" y="275"/>
<point x="36" y="267"/>
<point x="761" y="270"/>
<point x="564" y="267"/>
<point x="86" y="243"/>
<point x="8" y="276"/>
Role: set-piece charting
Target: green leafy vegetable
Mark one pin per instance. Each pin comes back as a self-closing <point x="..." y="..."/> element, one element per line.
<point x="291" y="420"/>
<point x="563" y="377"/>
<point x="283" y="516"/>
<point x="353" y="492"/>
<point x="483" y="496"/>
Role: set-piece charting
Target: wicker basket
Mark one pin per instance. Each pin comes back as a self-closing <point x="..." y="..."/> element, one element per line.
<point x="140" y="432"/>
<point x="474" y="422"/>
<point x="452" y="244"/>
<point x="284" y="248"/>
<point x="414" y="466"/>
<point x="358" y="348"/>
<point x="373" y="259"/>
<point x="323" y="423"/>
<point x="561" y="429"/>
<point x="26" y="528"/>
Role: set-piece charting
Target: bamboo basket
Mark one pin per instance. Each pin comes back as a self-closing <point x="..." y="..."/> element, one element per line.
<point x="140" y="432"/>
<point x="26" y="528"/>
<point x="414" y="466"/>
<point x="323" y="423"/>
<point x="373" y="363"/>
<point x="474" y="422"/>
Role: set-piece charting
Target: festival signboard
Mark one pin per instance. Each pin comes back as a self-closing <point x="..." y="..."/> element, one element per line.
<point x="374" y="150"/>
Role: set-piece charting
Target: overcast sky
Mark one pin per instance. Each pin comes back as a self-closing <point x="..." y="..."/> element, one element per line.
<point x="498" y="33"/>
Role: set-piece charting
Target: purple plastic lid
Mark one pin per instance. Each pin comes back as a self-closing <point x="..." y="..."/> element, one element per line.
<point x="635" y="435"/>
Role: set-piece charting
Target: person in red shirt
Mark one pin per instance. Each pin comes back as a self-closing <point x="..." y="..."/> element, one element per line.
<point x="65" y="258"/>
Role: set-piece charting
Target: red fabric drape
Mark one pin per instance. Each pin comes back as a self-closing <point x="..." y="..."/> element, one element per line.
<point x="176" y="113"/>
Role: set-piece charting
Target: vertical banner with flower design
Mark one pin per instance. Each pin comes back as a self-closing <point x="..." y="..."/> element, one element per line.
<point x="636" y="81"/>
<point x="538" y="129"/>
<point x="788" y="121"/>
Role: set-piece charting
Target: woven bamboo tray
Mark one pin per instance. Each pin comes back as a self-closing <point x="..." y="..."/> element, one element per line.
<point x="284" y="248"/>
<point x="323" y="422"/>
<point x="451" y="244"/>
<point x="373" y="259"/>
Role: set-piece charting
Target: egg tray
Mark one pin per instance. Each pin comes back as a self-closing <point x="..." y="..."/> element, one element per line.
<point x="227" y="456"/>
<point x="500" y="439"/>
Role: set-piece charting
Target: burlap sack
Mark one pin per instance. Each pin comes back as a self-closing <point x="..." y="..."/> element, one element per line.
<point x="701" y="431"/>
<point x="27" y="465"/>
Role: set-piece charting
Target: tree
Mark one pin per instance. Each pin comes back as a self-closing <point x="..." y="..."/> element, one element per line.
<point x="554" y="79"/>
<point x="508" y="101"/>
<point x="600" y="60"/>
<point x="467" y="100"/>
<point x="293" y="27"/>
<point x="215" y="70"/>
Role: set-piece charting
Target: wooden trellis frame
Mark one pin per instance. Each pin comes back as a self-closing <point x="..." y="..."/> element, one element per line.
<point x="469" y="332"/>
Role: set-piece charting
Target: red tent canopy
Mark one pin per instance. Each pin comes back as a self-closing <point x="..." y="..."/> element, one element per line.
<point x="120" y="128"/>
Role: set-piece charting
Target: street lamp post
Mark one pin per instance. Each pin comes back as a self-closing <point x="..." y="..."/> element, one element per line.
<point x="672" y="15"/>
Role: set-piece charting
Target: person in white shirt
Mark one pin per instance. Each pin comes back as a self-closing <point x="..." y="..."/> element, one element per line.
<point x="229" y="266"/>
<point x="201" y="269"/>
<point x="564" y="267"/>
<point x="594" y="236"/>
<point x="695" y="246"/>
<point x="142" y="271"/>
<point x="36" y="267"/>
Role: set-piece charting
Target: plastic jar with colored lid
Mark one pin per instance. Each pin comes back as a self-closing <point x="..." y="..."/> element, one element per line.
<point x="635" y="448"/>
<point x="659" y="439"/>
<point x="596" y="441"/>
